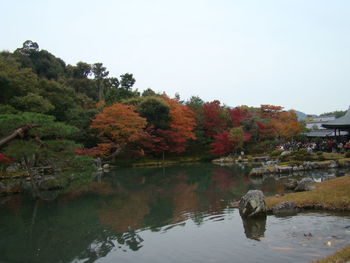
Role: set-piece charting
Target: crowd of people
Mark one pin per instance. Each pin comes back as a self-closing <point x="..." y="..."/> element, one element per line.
<point x="324" y="145"/>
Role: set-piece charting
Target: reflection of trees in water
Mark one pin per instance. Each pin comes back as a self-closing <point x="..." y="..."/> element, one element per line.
<point x="90" y="223"/>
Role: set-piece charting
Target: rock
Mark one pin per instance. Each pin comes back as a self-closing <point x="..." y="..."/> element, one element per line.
<point x="2" y="187"/>
<point x="285" y="209"/>
<point x="304" y="185"/>
<point x="285" y="153"/>
<point x="106" y="166"/>
<point x="259" y="171"/>
<point x="252" y="204"/>
<point x="235" y="204"/>
<point x="333" y="164"/>
<point x="291" y="184"/>
<point x="13" y="168"/>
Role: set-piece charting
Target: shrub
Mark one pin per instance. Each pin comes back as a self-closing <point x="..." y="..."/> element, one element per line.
<point x="276" y="153"/>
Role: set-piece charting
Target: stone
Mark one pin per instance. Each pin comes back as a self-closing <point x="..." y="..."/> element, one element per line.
<point x="13" y="168"/>
<point x="2" y="187"/>
<point x="285" y="209"/>
<point x="252" y="204"/>
<point x="291" y="184"/>
<point x="285" y="153"/>
<point x="106" y="166"/>
<point x="259" y="171"/>
<point x="333" y="164"/>
<point x="305" y="185"/>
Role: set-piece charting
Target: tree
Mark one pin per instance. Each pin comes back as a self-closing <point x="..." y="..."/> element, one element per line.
<point x="117" y="126"/>
<point x="156" y="111"/>
<point x="14" y="80"/>
<point x="120" y="95"/>
<point x="270" y="111"/>
<point x="100" y="72"/>
<point x="81" y="71"/>
<point x="148" y="92"/>
<point x="127" y="81"/>
<point x="286" y="125"/>
<point x="229" y="141"/>
<point x="216" y="118"/>
<point x="238" y="115"/>
<point x="35" y="140"/>
<point x="32" y="102"/>
<point x="182" y="124"/>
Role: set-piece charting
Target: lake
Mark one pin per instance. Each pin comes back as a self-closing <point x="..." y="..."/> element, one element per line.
<point x="165" y="214"/>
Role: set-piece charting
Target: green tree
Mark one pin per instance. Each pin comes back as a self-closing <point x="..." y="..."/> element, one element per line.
<point x="14" y="80"/>
<point x="100" y="73"/>
<point x="44" y="142"/>
<point x="148" y="92"/>
<point x="156" y="111"/>
<point x="127" y="81"/>
<point x="32" y="102"/>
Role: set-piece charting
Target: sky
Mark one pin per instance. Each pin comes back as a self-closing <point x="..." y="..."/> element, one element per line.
<point x="292" y="53"/>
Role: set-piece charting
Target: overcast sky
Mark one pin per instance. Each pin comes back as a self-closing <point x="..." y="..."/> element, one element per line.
<point x="292" y="53"/>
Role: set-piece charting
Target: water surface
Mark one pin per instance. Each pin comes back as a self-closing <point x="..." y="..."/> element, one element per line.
<point x="172" y="214"/>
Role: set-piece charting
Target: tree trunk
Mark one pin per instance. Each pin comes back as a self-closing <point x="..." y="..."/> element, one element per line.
<point x="19" y="132"/>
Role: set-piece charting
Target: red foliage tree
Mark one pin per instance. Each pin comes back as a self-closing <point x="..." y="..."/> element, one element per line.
<point x="239" y="114"/>
<point x="229" y="141"/>
<point x="215" y="118"/>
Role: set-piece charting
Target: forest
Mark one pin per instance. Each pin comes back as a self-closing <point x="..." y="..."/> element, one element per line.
<point x="66" y="115"/>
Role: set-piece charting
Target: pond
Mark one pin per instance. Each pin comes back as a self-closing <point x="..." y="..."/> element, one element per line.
<point x="171" y="214"/>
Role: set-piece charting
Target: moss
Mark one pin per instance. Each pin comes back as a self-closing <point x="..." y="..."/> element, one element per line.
<point x="330" y="195"/>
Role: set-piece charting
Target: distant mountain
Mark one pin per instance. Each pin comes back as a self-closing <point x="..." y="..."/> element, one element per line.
<point x="301" y="115"/>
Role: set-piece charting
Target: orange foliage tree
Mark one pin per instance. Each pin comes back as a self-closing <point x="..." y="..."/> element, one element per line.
<point x="286" y="125"/>
<point x="182" y="124"/>
<point x="117" y="126"/>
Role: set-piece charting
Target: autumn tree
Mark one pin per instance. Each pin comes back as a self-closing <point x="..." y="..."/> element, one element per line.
<point x="173" y="136"/>
<point x="286" y="125"/>
<point x="118" y="126"/>
<point x="216" y="118"/>
<point x="229" y="141"/>
<point x="238" y="115"/>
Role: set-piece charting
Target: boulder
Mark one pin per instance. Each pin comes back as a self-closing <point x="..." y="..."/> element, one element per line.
<point x="291" y="184"/>
<point x="333" y="164"/>
<point x="252" y="204"/>
<point x="285" y="209"/>
<point x="259" y="171"/>
<point x="305" y="185"/>
<point x="285" y="153"/>
<point x="106" y="166"/>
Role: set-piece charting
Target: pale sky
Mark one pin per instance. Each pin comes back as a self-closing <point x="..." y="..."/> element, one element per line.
<point x="292" y="53"/>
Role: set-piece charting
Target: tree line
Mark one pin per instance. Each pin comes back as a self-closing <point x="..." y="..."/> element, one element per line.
<point x="80" y="110"/>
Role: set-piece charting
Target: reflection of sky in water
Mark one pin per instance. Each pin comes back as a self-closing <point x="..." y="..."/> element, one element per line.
<point x="172" y="214"/>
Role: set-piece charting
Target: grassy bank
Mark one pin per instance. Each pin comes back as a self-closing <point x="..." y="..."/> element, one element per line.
<point x="329" y="195"/>
<point x="341" y="256"/>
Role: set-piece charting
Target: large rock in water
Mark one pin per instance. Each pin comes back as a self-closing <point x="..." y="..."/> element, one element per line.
<point x="252" y="204"/>
<point x="291" y="184"/>
<point x="305" y="185"/>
